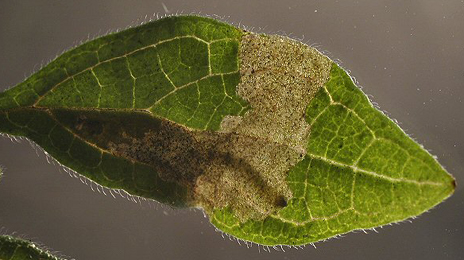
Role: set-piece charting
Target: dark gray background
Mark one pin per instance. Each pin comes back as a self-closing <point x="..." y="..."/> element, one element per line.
<point x="408" y="55"/>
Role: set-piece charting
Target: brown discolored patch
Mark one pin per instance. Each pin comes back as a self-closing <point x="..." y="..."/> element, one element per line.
<point x="221" y="169"/>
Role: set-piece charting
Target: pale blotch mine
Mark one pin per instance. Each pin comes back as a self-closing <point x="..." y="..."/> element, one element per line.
<point x="279" y="76"/>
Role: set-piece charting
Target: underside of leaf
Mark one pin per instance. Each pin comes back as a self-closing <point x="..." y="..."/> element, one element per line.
<point x="266" y="134"/>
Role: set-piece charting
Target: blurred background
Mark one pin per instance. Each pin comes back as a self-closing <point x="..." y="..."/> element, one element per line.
<point x="407" y="55"/>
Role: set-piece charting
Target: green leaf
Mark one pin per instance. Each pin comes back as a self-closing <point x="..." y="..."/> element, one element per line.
<point x="270" y="137"/>
<point x="12" y="248"/>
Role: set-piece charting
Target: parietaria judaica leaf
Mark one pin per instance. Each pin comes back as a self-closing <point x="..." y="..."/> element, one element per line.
<point x="269" y="136"/>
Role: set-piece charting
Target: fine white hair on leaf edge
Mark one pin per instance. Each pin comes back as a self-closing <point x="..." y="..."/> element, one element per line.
<point x="36" y="243"/>
<point x="94" y="186"/>
<point x="266" y="248"/>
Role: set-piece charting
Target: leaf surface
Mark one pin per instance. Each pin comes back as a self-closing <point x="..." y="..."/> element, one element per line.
<point x="270" y="137"/>
<point x="12" y="248"/>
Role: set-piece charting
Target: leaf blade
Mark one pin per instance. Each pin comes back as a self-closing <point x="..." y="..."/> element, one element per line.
<point x="270" y="137"/>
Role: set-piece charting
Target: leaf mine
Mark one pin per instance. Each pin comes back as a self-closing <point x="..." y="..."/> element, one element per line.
<point x="266" y="134"/>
